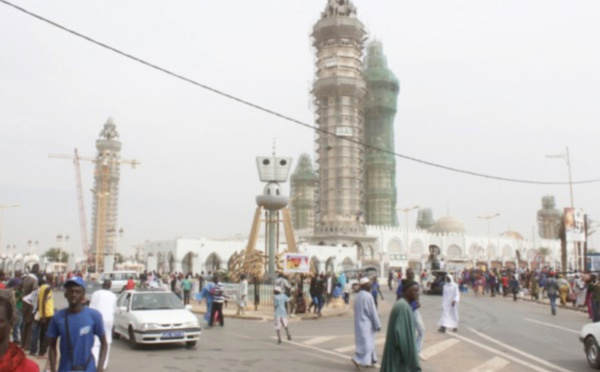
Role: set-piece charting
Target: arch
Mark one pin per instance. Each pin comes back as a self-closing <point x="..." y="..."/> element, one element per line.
<point x="454" y="251"/>
<point x="370" y="252"/>
<point x="18" y="265"/>
<point x="394" y="246"/>
<point x="330" y="265"/>
<point x="491" y="251"/>
<point x="187" y="263"/>
<point x="508" y="251"/>
<point x="347" y="264"/>
<point x="212" y="263"/>
<point x="417" y="247"/>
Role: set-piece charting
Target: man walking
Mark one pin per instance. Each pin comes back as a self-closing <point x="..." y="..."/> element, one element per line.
<point x="105" y="301"/>
<point x="552" y="292"/>
<point x="217" y="303"/>
<point x="400" y="350"/>
<point x="77" y="326"/>
<point x="242" y="295"/>
<point x="366" y="324"/>
<point x="44" y="314"/>
<point x="450" y="299"/>
<point x="30" y="284"/>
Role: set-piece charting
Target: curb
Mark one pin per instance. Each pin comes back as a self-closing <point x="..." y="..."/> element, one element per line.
<point x="294" y="318"/>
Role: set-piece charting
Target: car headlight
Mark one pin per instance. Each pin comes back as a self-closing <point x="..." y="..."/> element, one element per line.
<point x="147" y="326"/>
<point x="193" y="323"/>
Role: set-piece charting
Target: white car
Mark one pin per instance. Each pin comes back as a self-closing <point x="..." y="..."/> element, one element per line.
<point x="155" y="316"/>
<point x="590" y="334"/>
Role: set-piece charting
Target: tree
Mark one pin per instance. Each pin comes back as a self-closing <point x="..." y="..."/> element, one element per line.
<point x="119" y="259"/>
<point x="53" y="254"/>
<point x="544" y="251"/>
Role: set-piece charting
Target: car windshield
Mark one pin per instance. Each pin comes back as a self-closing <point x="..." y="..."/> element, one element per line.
<point x="155" y="301"/>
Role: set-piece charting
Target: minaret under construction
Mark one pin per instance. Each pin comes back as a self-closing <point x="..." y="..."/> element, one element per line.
<point x="339" y="92"/>
<point x="380" y="110"/>
<point x="106" y="194"/>
<point x="303" y="182"/>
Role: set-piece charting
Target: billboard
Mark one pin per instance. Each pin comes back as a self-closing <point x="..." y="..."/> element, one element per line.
<point x="296" y="263"/>
<point x="574" y="225"/>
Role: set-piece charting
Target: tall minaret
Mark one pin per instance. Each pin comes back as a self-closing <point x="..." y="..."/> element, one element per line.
<point x="106" y="194"/>
<point x="339" y="92"/>
<point x="303" y="183"/>
<point x="380" y="110"/>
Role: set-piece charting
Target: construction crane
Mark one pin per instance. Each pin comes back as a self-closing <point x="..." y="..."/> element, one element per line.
<point x="101" y="207"/>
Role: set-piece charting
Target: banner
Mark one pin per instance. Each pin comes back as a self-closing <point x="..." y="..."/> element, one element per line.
<point x="296" y="263"/>
<point x="574" y="225"/>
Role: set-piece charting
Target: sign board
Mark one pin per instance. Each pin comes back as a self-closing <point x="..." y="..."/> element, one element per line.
<point x="574" y="224"/>
<point x="398" y="260"/>
<point x="296" y="263"/>
<point x="344" y="131"/>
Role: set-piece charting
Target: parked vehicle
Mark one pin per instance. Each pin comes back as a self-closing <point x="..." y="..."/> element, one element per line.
<point x="590" y="334"/>
<point x="119" y="279"/>
<point x="155" y="316"/>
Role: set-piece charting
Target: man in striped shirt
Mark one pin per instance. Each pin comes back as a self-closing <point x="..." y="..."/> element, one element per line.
<point x="217" y="304"/>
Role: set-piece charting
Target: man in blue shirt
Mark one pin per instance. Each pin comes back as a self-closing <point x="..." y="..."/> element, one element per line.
<point x="77" y="326"/>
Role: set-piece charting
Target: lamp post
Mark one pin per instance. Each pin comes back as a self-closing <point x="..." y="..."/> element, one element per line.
<point x="406" y="211"/>
<point x="60" y="239"/>
<point x="2" y="208"/>
<point x="488" y="219"/>
<point x="567" y="158"/>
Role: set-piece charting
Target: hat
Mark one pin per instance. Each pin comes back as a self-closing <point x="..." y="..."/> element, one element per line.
<point x="277" y="289"/>
<point x="76" y="280"/>
<point x="363" y="280"/>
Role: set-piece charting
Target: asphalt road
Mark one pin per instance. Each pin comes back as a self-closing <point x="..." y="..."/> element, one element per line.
<point x="495" y="334"/>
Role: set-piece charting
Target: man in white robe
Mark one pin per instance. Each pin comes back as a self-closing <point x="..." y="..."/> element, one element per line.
<point x="450" y="299"/>
<point x="105" y="301"/>
<point x="366" y="324"/>
<point x="580" y="290"/>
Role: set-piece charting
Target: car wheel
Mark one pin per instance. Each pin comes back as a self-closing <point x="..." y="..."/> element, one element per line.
<point x="190" y="343"/>
<point x="592" y="352"/>
<point x="132" y="341"/>
<point x="115" y="335"/>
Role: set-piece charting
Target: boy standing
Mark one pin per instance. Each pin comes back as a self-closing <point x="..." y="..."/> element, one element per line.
<point x="279" y="301"/>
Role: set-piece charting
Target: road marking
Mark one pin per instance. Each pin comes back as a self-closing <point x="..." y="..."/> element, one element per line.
<point x="318" y="340"/>
<point x="517" y="351"/>
<point x="494" y="351"/>
<point x="552" y="325"/>
<point x="438" y="348"/>
<point x="348" y="348"/>
<point x="492" y="365"/>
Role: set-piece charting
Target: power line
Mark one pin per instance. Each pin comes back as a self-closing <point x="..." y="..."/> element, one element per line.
<point x="282" y="116"/>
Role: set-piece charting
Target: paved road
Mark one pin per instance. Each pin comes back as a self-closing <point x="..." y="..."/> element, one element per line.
<point x="495" y="334"/>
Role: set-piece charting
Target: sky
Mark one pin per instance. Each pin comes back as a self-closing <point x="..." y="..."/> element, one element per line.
<point x="486" y="86"/>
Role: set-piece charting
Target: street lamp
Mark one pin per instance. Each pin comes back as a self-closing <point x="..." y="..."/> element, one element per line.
<point x="406" y="211"/>
<point x="567" y="158"/>
<point x="2" y="208"/>
<point x="488" y="219"/>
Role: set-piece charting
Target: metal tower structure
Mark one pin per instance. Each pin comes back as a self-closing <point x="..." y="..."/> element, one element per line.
<point x="380" y="110"/>
<point x="339" y="91"/>
<point x="303" y="182"/>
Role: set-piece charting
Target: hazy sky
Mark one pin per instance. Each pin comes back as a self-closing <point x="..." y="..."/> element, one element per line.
<point x="486" y="86"/>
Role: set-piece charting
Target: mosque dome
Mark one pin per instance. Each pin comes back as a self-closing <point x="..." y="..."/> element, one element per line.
<point x="512" y="235"/>
<point x="448" y="225"/>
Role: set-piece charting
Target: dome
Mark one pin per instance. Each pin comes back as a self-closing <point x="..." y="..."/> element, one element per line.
<point x="512" y="235"/>
<point x="448" y="225"/>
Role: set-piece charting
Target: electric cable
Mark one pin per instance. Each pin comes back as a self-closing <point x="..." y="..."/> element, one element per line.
<point x="285" y="117"/>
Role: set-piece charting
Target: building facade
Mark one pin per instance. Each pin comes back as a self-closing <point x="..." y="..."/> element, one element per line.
<point x="303" y="182"/>
<point x="380" y="166"/>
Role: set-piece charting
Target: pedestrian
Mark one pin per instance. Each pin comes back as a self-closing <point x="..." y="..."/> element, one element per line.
<point x="12" y="358"/>
<point x="186" y="286"/>
<point x="279" y="301"/>
<point x="419" y="324"/>
<point x="130" y="284"/>
<point x="366" y="324"/>
<point x="410" y="275"/>
<point x="580" y="290"/>
<point x="206" y="293"/>
<point x="217" y="303"/>
<point x="391" y="279"/>
<point x="552" y="292"/>
<point x="376" y="290"/>
<point x="242" y="295"/>
<point x="77" y="326"/>
<point x="450" y="300"/>
<point x="535" y="288"/>
<point x="514" y="286"/>
<point x="312" y="290"/>
<point x="564" y="289"/>
<point x="400" y="352"/>
<point x="105" y="301"/>
<point x="15" y="285"/>
<point x="42" y="318"/>
<point x="30" y="284"/>
<point x="504" y="285"/>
